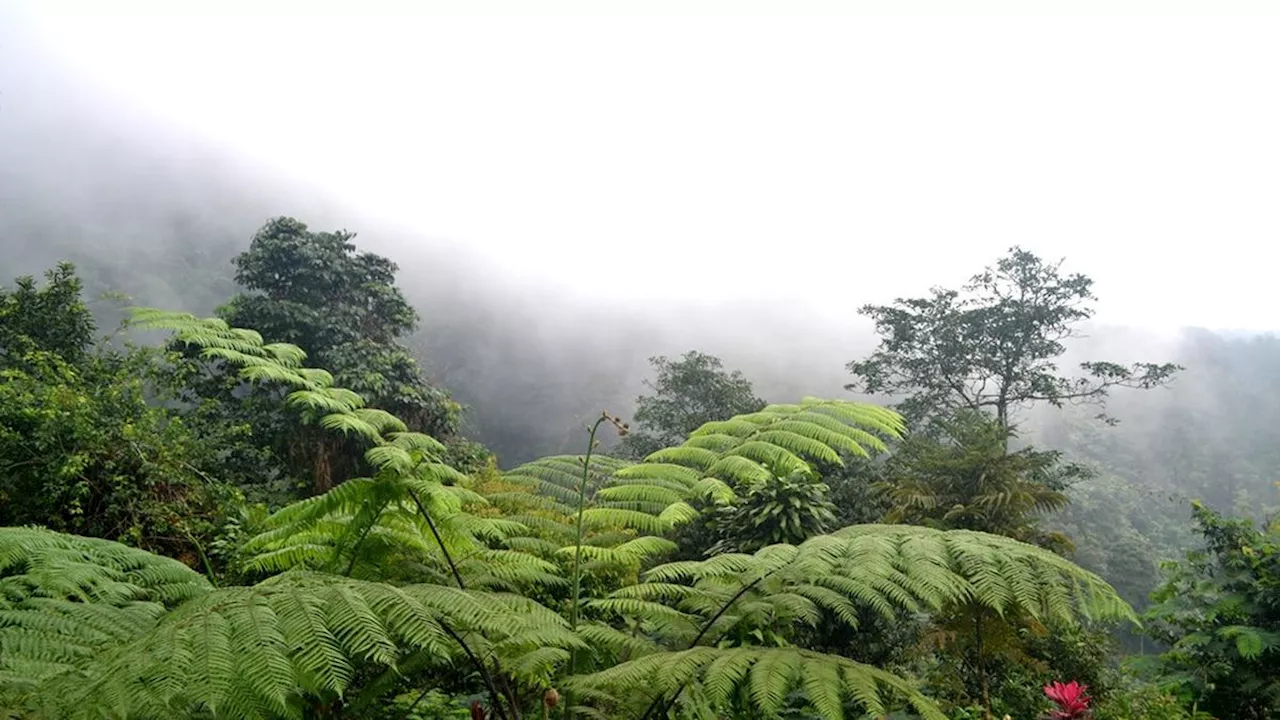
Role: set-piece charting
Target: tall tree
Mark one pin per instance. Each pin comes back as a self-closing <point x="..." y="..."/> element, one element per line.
<point x="314" y="290"/>
<point x="687" y="393"/>
<point x="993" y="345"/>
<point x="967" y="480"/>
<point x="342" y="307"/>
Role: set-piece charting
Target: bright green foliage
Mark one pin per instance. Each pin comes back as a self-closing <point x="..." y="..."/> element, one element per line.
<point x="412" y="520"/>
<point x="270" y="650"/>
<point x="310" y="391"/>
<point x="546" y="490"/>
<point x="992" y="345"/>
<point x="1219" y="612"/>
<point x="260" y="651"/>
<point x="64" y="599"/>
<point x="687" y="393"/>
<point x="754" y="682"/>
<point x="779" y="439"/>
<point x="736" y="600"/>
<point x="720" y="459"/>
<point x="382" y="583"/>
<point x="620" y="531"/>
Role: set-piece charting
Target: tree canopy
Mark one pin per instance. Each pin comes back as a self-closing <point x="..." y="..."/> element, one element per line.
<point x="316" y="291"/>
<point x="992" y="345"/>
<point x="688" y="392"/>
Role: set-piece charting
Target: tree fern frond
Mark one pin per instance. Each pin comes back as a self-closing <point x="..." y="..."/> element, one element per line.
<point x="286" y="354"/>
<point x="416" y="441"/>
<point x="826" y="683"/>
<point x="696" y="458"/>
<point x="316" y="377"/>
<point x="608" y="517"/>
<point x="321" y="401"/>
<point x="381" y="420"/>
<point x="349" y="424"/>
<point x="800" y="445"/>
<point x="715" y="442"/>
<point x="35" y="562"/>
<point x="738" y="469"/>
<point x="251" y="651"/>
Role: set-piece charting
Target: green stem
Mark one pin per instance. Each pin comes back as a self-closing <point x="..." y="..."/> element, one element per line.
<point x="457" y="576"/>
<point x="435" y="533"/>
<point x="576" y="573"/>
<point x="355" y="549"/>
<point x="204" y="559"/>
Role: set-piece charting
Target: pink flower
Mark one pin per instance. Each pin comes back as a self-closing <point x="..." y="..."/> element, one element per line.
<point x="1070" y="698"/>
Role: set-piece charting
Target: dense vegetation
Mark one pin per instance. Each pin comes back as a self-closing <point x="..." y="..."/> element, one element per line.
<point x="272" y="513"/>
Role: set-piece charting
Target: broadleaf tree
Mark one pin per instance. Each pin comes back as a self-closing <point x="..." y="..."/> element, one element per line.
<point x="687" y="393"/>
<point x="316" y="291"/>
<point x="993" y="345"/>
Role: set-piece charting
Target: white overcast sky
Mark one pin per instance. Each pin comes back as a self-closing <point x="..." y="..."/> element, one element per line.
<point x="833" y="156"/>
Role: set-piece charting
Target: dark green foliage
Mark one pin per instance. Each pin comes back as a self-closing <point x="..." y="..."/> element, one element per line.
<point x="81" y="448"/>
<point x="965" y="478"/>
<point x="1136" y="700"/>
<point x="1219" y="612"/>
<point x="313" y="290"/>
<point x="82" y="451"/>
<point x="782" y="508"/>
<point x="687" y="393"/>
<point x="992" y="345"/>
<point x="51" y="318"/>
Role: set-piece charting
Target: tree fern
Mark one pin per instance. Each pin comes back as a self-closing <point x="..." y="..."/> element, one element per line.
<point x="407" y="570"/>
<point x="267" y="651"/>
<point x="64" y="599"/>
<point x="653" y="496"/>
<point x="410" y="520"/>
<point x="310" y="390"/>
<point x="751" y="680"/>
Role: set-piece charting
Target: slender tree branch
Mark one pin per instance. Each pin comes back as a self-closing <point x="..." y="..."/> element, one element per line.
<point x="457" y="576"/>
<point x="494" y="695"/>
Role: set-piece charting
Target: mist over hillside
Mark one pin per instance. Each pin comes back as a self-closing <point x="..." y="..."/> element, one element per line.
<point x="149" y="211"/>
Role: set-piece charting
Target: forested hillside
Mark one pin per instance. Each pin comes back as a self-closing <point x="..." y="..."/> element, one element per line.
<point x="280" y="511"/>
<point x="265" y="456"/>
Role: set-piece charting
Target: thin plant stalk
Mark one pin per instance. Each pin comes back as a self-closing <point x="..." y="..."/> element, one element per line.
<point x="576" y="572"/>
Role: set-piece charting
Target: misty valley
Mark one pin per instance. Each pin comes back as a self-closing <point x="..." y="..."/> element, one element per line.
<point x="304" y="500"/>
<point x="618" y="360"/>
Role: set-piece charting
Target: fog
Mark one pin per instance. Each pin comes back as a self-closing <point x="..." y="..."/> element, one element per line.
<point x="569" y="195"/>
